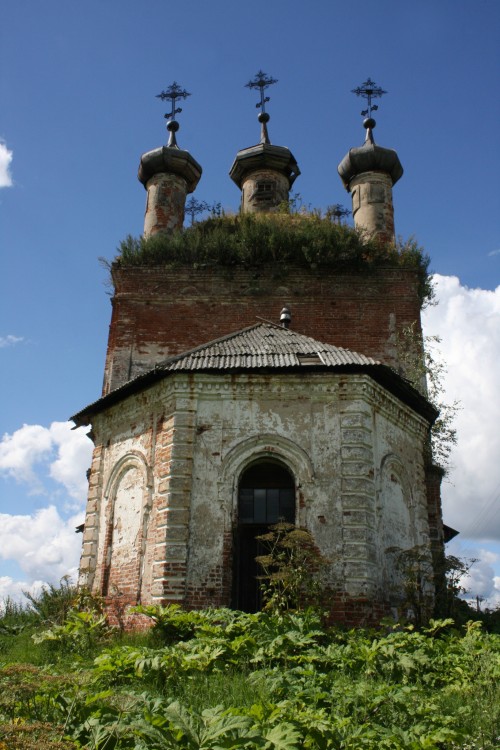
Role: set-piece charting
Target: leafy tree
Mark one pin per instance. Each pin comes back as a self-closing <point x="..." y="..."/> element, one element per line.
<point x="451" y="574"/>
<point x="422" y="365"/>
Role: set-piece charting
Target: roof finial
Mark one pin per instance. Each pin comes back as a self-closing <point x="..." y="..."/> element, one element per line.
<point x="285" y="317"/>
<point x="173" y="93"/>
<point x="262" y="82"/>
<point x="369" y="90"/>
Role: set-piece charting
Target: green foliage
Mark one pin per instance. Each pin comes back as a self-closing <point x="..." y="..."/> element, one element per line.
<point x="37" y="735"/>
<point x="416" y="572"/>
<point x="450" y="574"/>
<point x="52" y="604"/>
<point x="80" y="633"/>
<point x="291" y="569"/>
<point x="172" y="623"/>
<point x="58" y="622"/>
<point x="425" y="370"/>
<point x="305" y="239"/>
<point x="267" y="682"/>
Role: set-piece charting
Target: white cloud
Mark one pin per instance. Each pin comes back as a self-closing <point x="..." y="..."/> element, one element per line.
<point x="494" y="252"/>
<point x="23" y="449"/>
<point x="5" y="160"/>
<point x="9" y="340"/>
<point x="468" y="322"/>
<point x="56" y="451"/>
<point x="14" y="590"/>
<point x="74" y="452"/>
<point x="481" y="581"/>
<point x="44" y="545"/>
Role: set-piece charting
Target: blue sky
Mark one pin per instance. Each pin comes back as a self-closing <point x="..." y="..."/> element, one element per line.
<point x="78" y="84"/>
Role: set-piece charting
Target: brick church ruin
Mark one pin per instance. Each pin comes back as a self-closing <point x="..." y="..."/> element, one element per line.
<point x="236" y="397"/>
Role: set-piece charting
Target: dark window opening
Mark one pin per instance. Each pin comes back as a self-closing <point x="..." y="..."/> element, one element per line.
<point x="264" y="191"/>
<point x="266" y="495"/>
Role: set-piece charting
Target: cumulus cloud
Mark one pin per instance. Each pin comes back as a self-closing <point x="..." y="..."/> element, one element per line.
<point x="9" y="340"/>
<point x="74" y="452"/>
<point x="44" y="545"/>
<point x="22" y="450"/>
<point x="15" y="590"/>
<point x="57" y="451"/>
<point x="5" y="161"/>
<point x="468" y="323"/>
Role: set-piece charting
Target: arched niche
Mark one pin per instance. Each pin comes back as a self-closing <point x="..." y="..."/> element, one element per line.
<point x="128" y="504"/>
<point x="396" y="521"/>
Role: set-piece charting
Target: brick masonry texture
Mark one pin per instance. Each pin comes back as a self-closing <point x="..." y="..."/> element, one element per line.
<point x="168" y="459"/>
<point x="160" y="312"/>
<point x="169" y="489"/>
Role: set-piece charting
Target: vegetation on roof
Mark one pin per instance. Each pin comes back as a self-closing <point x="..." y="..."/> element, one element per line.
<point x="305" y="239"/>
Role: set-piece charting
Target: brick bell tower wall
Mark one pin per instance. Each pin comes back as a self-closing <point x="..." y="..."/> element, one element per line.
<point x="161" y="311"/>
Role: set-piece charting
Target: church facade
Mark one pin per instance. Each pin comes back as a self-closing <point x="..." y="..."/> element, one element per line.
<point x="217" y="418"/>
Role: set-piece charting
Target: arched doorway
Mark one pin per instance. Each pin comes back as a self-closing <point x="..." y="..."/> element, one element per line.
<point x="266" y="495"/>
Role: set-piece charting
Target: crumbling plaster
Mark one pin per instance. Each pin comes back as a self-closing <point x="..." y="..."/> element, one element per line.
<point x="356" y="453"/>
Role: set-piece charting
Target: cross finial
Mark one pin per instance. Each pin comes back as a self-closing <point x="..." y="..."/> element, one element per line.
<point x="262" y="82"/>
<point x="173" y="93"/>
<point x="369" y="90"/>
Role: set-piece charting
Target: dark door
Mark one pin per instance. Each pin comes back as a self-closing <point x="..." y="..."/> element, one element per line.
<point x="266" y="495"/>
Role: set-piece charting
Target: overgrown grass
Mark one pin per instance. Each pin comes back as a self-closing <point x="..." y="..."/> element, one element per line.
<point x="307" y="240"/>
<point x="223" y="679"/>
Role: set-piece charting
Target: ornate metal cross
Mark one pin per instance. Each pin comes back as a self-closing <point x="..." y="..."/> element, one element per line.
<point x="369" y="90"/>
<point x="173" y="93"/>
<point x="262" y="82"/>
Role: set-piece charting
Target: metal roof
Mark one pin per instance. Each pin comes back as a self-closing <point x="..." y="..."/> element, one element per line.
<point x="263" y="345"/>
<point x="268" y="347"/>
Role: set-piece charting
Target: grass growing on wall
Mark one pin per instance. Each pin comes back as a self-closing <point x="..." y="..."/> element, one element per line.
<point x="307" y="240"/>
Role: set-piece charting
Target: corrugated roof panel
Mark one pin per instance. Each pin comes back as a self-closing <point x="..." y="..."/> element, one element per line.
<point x="263" y="346"/>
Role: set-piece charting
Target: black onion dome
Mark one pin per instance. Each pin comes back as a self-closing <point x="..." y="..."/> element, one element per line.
<point x="171" y="160"/>
<point x="369" y="158"/>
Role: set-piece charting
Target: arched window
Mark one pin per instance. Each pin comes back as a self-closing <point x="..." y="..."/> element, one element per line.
<point x="266" y="495"/>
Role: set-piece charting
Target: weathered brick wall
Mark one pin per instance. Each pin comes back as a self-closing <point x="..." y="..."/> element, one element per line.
<point x="159" y="312"/>
<point x="169" y="461"/>
<point x="434" y="477"/>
